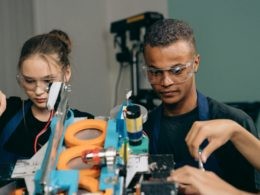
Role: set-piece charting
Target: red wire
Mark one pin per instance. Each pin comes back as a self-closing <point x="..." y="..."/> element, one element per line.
<point x="42" y="131"/>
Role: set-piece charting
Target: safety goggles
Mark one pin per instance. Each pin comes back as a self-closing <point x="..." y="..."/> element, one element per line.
<point x="31" y="84"/>
<point x="177" y="74"/>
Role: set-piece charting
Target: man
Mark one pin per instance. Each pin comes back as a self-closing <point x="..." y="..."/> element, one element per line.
<point x="171" y="63"/>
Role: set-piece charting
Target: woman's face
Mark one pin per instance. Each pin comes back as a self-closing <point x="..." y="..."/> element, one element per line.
<point x="36" y="73"/>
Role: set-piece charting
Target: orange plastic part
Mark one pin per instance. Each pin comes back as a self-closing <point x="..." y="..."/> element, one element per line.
<point x="74" y="128"/>
<point x="89" y="183"/>
<point x="76" y="152"/>
<point x="20" y="191"/>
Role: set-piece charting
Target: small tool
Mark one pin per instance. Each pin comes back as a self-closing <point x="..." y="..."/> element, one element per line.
<point x="201" y="167"/>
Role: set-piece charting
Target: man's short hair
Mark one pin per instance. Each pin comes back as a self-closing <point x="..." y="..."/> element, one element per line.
<point x="167" y="31"/>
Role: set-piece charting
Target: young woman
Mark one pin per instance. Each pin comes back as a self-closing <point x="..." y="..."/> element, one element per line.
<point x="24" y="124"/>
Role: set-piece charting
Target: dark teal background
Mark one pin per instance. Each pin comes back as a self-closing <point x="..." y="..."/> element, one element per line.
<point x="228" y="40"/>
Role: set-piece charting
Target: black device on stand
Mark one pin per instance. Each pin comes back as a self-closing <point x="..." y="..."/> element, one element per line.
<point x="133" y="26"/>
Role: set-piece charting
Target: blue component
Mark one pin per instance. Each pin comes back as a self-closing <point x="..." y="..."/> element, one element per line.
<point x="66" y="180"/>
<point x="135" y="136"/>
<point x="107" y="178"/>
<point x="111" y="135"/>
<point x="142" y="148"/>
<point x="116" y="135"/>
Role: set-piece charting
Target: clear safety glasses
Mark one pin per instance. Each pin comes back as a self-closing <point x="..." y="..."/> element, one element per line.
<point x="177" y="74"/>
<point x="31" y="84"/>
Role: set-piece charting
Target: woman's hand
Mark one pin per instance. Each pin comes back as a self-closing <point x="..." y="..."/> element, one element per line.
<point x="2" y="103"/>
<point x="216" y="132"/>
<point x="191" y="180"/>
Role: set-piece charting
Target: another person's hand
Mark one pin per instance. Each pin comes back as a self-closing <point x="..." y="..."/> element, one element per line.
<point x="2" y="103"/>
<point x="217" y="132"/>
<point x="195" y="181"/>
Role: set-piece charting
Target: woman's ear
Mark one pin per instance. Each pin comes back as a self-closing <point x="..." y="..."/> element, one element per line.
<point x="67" y="73"/>
<point x="18" y="79"/>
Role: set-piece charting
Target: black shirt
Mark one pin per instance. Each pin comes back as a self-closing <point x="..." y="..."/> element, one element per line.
<point x="21" y="142"/>
<point x="173" y="132"/>
<point x="236" y="169"/>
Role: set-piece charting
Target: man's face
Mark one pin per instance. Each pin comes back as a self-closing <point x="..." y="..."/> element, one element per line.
<point x="171" y="71"/>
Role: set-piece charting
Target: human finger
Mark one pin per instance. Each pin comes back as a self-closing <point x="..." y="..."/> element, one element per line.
<point x="187" y="179"/>
<point x="209" y="149"/>
<point x="196" y="138"/>
<point x="2" y="102"/>
<point x="193" y="131"/>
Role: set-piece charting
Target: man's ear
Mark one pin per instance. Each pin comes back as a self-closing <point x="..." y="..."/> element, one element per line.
<point x="196" y="63"/>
